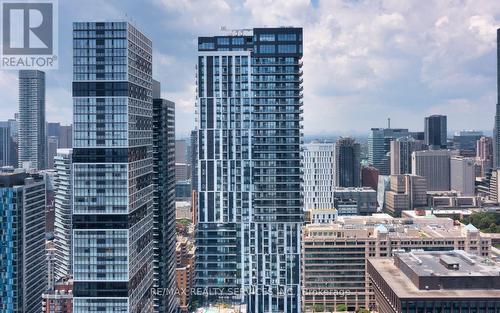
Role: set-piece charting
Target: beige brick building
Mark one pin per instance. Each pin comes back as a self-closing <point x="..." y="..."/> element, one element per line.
<point x="184" y="271"/>
<point x="334" y="255"/>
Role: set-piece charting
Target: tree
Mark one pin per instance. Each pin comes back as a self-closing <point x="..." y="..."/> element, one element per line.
<point x="318" y="307"/>
<point x="488" y="222"/>
<point x="341" y="308"/>
<point x="362" y="310"/>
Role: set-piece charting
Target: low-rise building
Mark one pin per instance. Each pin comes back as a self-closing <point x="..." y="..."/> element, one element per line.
<point x="453" y="214"/>
<point x="321" y="216"/>
<point x="184" y="271"/>
<point x="60" y="298"/>
<point x="334" y="255"/>
<point x="432" y="282"/>
<point x="183" y="210"/>
<point x="451" y="200"/>
<point x="364" y="200"/>
<point x="407" y="192"/>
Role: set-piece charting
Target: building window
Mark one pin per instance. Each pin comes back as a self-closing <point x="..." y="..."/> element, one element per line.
<point x="238" y="41"/>
<point x="267" y="49"/>
<point x="206" y="46"/>
<point x="287" y="49"/>
<point x="267" y="37"/>
<point x="287" y="37"/>
<point x="223" y="41"/>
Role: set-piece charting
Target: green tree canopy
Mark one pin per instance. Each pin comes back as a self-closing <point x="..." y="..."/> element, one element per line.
<point x="488" y="222"/>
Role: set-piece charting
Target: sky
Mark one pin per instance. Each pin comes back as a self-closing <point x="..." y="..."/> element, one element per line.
<point x="364" y="61"/>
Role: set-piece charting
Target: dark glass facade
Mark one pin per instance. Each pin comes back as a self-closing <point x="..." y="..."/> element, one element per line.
<point x="32" y="128"/>
<point x="435" y="131"/>
<point x="347" y="163"/>
<point x="112" y="168"/>
<point x="164" y="202"/>
<point x="379" y="147"/>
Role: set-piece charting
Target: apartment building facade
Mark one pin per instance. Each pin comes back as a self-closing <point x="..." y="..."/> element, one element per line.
<point x="334" y="255"/>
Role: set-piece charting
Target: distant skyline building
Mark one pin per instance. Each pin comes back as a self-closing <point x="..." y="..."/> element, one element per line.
<point x="496" y="129"/>
<point x="182" y="151"/>
<point x="65" y="137"/>
<point x="465" y="142"/>
<point x="407" y="192"/>
<point x="6" y="145"/>
<point x="249" y="99"/>
<point x="484" y="155"/>
<point x="63" y="188"/>
<point x="494" y="186"/>
<point x="164" y="146"/>
<point x="23" y="267"/>
<point x="194" y="160"/>
<point x="462" y="175"/>
<point x="112" y="168"/>
<point x="14" y="126"/>
<point x="400" y="156"/>
<point x="347" y="163"/>
<point x="52" y="146"/>
<point x="182" y="172"/>
<point x="436" y="131"/>
<point x="53" y="129"/>
<point x="319" y="175"/>
<point x="379" y="140"/>
<point x="355" y="200"/>
<point x="369" y="177"/>
<point x="418" y="135"/>
<point x="434" y="166"/>
<point x="32" y="127"/>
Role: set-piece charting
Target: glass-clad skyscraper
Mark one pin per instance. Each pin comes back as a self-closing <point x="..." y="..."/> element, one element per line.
<point x="347" y="162"/>
<point x="435" y="131"/>
<point x="249" y="113"/>
<point x="32" y="128"/>
<point x="379" y="147"/>
<point x="23" y="270"/>
<point x="6" y="144"/>
<point x="496" y="128"/>
<point x="112" y="168"/>
<point x="63" y="187"/>
<point x="164" y="201"/>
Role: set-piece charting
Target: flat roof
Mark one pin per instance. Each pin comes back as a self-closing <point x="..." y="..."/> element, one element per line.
<point x="404" y="288"/>
<point x="431" y="264"/>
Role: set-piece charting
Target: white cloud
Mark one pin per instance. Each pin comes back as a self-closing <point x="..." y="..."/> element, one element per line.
<point x="364" y="60"/>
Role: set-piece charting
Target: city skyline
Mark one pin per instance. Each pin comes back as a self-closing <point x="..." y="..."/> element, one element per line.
<point x="402" y="63"/>
<point x="291" y="169"/>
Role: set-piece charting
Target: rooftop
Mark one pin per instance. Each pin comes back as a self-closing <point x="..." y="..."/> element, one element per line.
<point x="369" y="226"/>
<point x="454" y="263"/>
<point x="439" y="268"/>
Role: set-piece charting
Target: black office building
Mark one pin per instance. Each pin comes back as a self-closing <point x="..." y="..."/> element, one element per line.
<point x="347" y="163"/>
<point x="435" y="131"/>
<point x="164" y="201"/>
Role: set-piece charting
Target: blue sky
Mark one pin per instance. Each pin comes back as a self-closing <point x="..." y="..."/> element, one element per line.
<point x="364" y="61"/>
